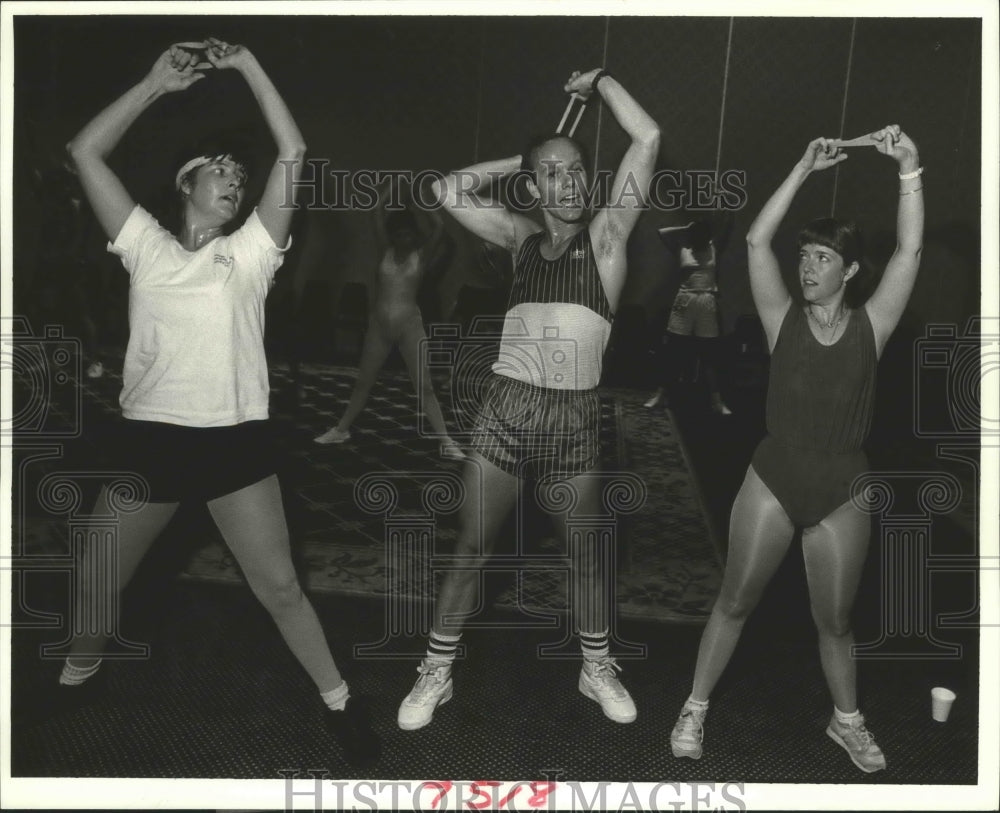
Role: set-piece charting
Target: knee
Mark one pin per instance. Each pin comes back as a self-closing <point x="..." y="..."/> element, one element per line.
<point x="831" y="623"/>
<point x="279" y="594"/>
<point x="734" y="606"/>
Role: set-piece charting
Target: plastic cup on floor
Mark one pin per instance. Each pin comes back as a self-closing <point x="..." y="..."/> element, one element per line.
<point x="941" y="700"/>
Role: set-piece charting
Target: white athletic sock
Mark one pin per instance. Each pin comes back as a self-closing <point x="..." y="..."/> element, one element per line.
<point x="336" y="699"/>
<point x="77" y="675"/>
<point x="846" y="719"/>
<point x="697" y="705"/>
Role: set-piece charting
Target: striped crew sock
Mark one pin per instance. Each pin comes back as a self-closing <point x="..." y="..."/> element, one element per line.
<point x="442" y="647"/>
<point x="594" y="645"/>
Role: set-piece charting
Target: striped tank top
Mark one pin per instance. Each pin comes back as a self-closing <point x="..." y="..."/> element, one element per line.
<point x="558" y="318"/>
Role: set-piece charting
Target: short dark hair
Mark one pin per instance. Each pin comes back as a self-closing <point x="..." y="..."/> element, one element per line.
<point x="530" y="154"/>
<point x="844" y="237"/>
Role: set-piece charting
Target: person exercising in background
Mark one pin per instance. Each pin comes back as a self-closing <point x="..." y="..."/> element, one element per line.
<point x="539" y="419"/>
<point x="407" y="251"/>
<point x="693" y="326"/>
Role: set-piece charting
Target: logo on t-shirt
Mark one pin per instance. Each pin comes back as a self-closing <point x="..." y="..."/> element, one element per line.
<point x="222" y="259"/>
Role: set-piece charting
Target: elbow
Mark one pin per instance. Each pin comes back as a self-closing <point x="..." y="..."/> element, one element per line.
<point x="650" y="139"/>
<point x="440" y="187"/>
<point x="75" y="149"/>
<point x="753" y="241"/>
<point x="295" y="151"/>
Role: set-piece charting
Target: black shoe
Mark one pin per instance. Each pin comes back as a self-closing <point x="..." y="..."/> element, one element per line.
<point x="353" y="731"/>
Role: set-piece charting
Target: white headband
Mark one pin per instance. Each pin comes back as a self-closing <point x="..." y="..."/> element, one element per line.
<point x="201" y="161"/>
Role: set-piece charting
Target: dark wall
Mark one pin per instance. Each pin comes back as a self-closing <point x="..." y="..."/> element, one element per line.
<point x="440" y="92"/>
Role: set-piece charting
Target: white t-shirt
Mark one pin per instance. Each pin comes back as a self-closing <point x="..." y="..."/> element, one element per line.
<point x="195" y="354"/>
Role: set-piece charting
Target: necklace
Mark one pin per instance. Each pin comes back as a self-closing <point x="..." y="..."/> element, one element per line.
<point x="830" y="324"/>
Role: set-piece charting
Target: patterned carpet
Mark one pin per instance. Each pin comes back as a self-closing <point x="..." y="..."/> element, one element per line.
<point x="376" y="516"/>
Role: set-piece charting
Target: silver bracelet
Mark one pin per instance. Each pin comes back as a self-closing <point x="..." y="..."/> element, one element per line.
<point x="911" y="191"/>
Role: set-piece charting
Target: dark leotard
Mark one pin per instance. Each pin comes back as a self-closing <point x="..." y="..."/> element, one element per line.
<point x="819" y="412"/>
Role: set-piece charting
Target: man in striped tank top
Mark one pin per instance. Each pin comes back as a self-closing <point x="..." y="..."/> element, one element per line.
<point x="539" y="419"/>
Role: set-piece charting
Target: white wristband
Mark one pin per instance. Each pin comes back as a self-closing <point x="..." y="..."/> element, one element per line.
<point x="909" y="176"/>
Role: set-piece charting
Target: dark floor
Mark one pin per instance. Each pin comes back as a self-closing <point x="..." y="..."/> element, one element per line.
<point x="220" y="696"/>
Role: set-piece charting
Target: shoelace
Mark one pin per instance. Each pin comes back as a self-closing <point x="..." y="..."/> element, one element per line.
<point x="865" y="737"/>
<point x="605" y="669"/>
<point x="428" y="675"/>
<point x="690" y="722"/>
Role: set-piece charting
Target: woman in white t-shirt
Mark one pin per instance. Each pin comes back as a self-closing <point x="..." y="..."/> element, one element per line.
<point x="195" y="394"/>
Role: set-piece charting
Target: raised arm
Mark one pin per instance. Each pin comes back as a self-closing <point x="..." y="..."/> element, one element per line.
<point x="886" y="305"/>
<point x="629" y="195"/>
<point x="175" y="69"/>
<point x="769" y="292"/>
<point x="630" y="188"/>
<point x="274" y="210"/>
<point x="459" y="192"/>
<point x="674" y="237"/>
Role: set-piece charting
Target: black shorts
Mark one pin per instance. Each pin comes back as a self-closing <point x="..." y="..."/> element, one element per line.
<point x="193" y="463"/>
<point x="537" y="433"/>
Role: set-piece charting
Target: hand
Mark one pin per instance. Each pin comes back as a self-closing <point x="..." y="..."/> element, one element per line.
<point x="223" y="55"/>
<point x="582" y="84"/>
<point x="179" y="67"/>
<point x="821" y="154"/>
<point x="894" y="142"/>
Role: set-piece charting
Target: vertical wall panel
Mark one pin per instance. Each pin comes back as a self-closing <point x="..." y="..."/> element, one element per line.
<point x="786" y="87"/>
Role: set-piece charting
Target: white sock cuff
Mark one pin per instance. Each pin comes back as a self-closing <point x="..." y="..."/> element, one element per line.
<point x="75" y="675"/>
<point x="846" y="717"/>
<point x="451" y="639"/>
<point x="337" y="698"/>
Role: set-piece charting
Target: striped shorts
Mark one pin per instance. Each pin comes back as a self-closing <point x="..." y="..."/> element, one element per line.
<point x="536" y="433"/>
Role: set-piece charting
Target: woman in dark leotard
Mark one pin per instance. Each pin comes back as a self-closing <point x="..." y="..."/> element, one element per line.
<point x="824" y="356"/>
<point x="396" y="320"/>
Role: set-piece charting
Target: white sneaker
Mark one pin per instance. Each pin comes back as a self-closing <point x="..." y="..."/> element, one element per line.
<point x="599" y="682"/>
<point x="688" y="733"/>
<point x="334" y="435"/>
<point x="859" y="743"/>
<point x="432" y="689"/>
